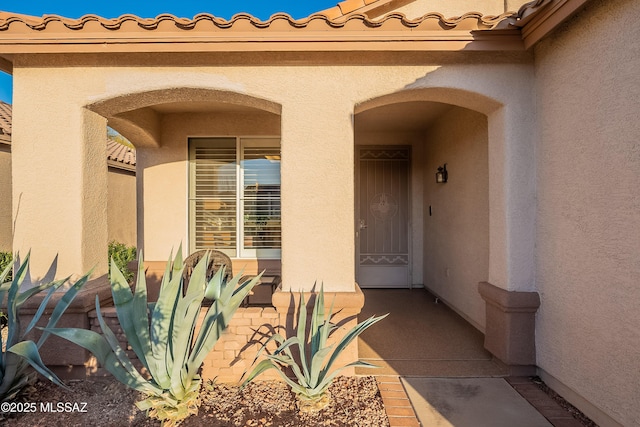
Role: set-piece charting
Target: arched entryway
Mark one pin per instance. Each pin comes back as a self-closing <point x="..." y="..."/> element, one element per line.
<point x="399" y="147"/>
<point x="460" y="232"/>
<point x="427" y="234"/>
<point x="208" y="173"/>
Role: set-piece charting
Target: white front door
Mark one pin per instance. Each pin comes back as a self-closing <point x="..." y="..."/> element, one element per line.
<point x="382" y="217"/>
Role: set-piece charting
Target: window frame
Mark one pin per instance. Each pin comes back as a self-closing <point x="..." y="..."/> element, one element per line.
<point x="240" y="143"/>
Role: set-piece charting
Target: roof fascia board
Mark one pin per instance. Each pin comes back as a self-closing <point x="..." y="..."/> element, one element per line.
<point x="118" y="165"/>
<point x="470" y="40"/>
<point x="548" y="19"/>
<point x="6" y="66"/>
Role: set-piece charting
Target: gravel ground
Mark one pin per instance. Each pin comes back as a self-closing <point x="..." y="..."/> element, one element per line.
<point x="356" y="401"/>
<point x="577" y="414"/>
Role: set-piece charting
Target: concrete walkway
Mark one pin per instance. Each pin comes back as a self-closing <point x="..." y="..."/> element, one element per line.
<point x="477" y="402"/>
<point x="434" y="370"/>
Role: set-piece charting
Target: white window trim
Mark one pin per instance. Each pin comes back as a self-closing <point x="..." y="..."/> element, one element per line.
<point x="240" y="252"/>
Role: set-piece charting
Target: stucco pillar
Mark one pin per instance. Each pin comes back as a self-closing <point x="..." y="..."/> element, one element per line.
<point x="59" y="182"/>
<point x="317" y="174"/>
<point x="512" y="197"/>
<point x="506" y="95"/>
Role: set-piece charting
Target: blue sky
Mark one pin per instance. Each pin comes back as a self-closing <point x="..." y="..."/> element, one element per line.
<point x="262" y="9"/>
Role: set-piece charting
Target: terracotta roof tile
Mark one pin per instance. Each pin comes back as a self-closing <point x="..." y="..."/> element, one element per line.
<point x="347" y="7"/>
<point x="333" y="18"/>
<point x="345" y="12"/>
<point x="5" y="118"/>
<point x="120" y="154"/>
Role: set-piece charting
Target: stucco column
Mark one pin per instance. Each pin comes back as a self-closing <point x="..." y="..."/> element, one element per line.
<point x="506" y="95"/>
<point x="59" y="181"/>
<point x="512" y="197"/>
<point x="317" y="175"/>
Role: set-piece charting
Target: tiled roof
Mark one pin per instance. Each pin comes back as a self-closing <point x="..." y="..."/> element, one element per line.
<point x="244" y="22"/>
<point x="347" y="7"/>
<point x="120" y="154"/>
<point x="117" y="154"/>
<point x="341" y="15"/>
<point x="346" y="27"/>
<point x="5" y="118"/>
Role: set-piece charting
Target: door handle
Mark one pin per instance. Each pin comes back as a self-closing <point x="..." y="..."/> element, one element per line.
<point x="363" y="224"/>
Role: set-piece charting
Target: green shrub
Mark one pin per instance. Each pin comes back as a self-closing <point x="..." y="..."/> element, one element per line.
<point x="6" y="259"/>
<point x="166" y="345"/>
<point x="122" y="255"/>
<point x="18" y="353"/>
<point x="312" y="366"/>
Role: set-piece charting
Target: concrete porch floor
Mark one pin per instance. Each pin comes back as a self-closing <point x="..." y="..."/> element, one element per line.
<point x="434" y="370"/>
<point x="421" y="338"/>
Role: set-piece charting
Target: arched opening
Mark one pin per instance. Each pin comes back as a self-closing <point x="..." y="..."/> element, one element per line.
<point x="430" y="234"/>
<point x="413" y="232"/>
<point x="207" y="173"/>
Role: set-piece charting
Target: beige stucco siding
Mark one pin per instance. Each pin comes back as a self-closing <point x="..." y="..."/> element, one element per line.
<point x="5" y="198"/>
<point x="316" y="129"/>
<point x="456" y="235"/>
<point x="588" y="226"/>
<point x="58" y="153"/>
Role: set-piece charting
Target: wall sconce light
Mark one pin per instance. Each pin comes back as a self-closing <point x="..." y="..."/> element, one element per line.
<point x="442" y="175"/>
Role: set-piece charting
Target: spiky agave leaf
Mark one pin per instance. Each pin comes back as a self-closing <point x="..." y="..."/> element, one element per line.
<point x="21" y="353"/>
<point x="29" y="352"/>
<point x="109" y="353"/>
<point x="311" y="379"/>
<point x="161" y="359"/>
<point x="167" y="341"/>
<point x="348" y="338"/>
<point x="216" y="320"/>
<point x="131" y="311"/>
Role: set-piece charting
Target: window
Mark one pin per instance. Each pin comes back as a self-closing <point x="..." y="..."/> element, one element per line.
<point x="234" y="196"/>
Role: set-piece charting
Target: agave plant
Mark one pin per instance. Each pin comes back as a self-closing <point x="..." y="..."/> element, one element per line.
<point x="19" y="353"/>
<point x="313" y="365"/>
<point x="162" y="334"/>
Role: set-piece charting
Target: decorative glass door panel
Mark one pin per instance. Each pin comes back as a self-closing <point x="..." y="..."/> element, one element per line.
<point x="383" y="217"/>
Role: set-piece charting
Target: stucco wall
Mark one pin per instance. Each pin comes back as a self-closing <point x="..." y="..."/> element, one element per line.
<point x="5" y="198"/>
<point x="59" y="164"/>
<point x="588" y="222"/>
<point x="316" y="128"/>
<point x="456" y="235"/>
<point x="121" y="206"/>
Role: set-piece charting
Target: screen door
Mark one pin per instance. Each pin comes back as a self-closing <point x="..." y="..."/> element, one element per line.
<point x="382" y="222"/>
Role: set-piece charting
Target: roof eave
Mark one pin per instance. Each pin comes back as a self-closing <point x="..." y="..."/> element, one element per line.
<point x="453" y="40"/>
<point x="121" y="165"/>
<point x="542" y="17"/>
<point x="244" y="33"/>
<point x="6" y="65"/>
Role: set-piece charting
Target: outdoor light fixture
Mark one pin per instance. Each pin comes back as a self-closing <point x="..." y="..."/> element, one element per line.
<point x="442" y="175"/>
